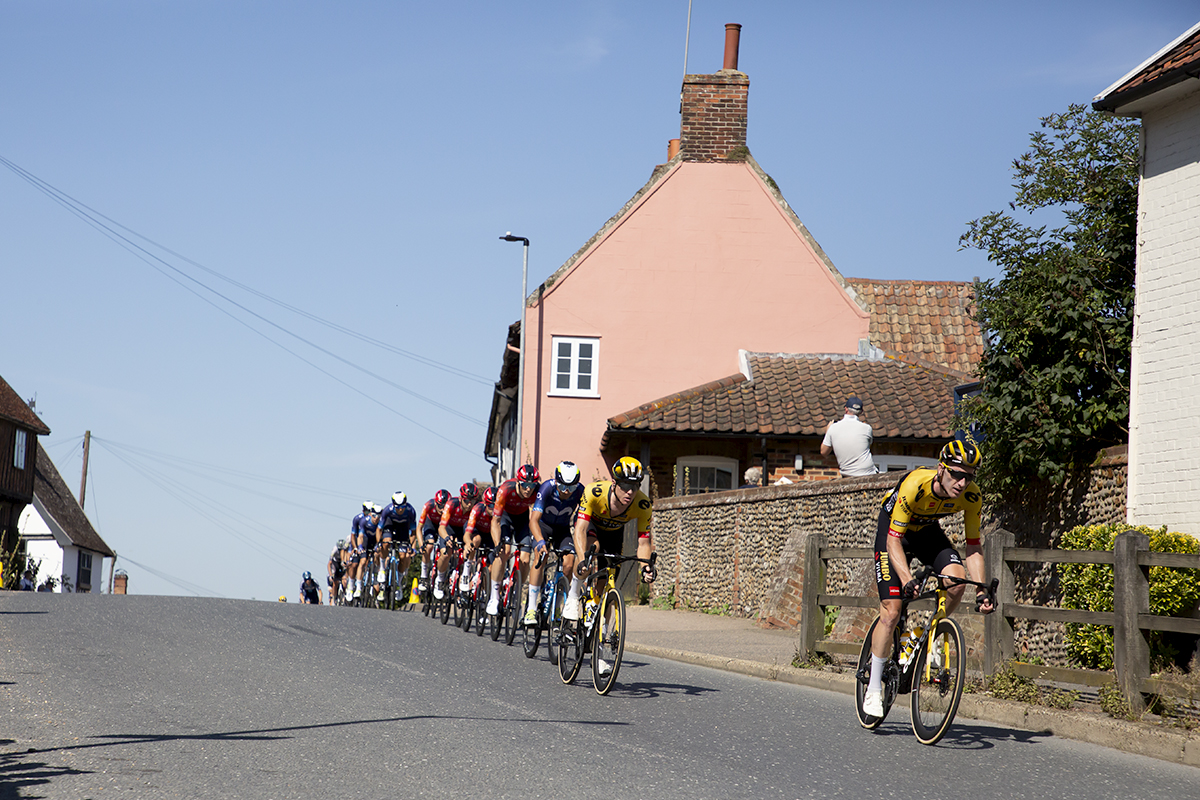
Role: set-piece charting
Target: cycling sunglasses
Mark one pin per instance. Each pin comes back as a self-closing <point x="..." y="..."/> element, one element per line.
<point x="959" y="475"/>
<point x="628" y="485"/>
<point x="527" y="484"/>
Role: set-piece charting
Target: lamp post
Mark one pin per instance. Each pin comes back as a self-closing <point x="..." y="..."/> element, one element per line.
<point x="508" y="237"/>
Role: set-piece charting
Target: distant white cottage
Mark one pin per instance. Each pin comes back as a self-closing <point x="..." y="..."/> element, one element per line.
<point x="57" y="533"/>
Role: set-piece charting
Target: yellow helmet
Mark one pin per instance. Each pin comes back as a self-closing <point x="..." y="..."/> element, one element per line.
<point x="958" y="453"/>
<point x="627" y="471"/>
<point x="283" y="598"/>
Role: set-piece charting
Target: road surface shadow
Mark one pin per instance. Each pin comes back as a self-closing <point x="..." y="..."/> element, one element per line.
<point x="18" y="774"/>
<point x="968" y="735"/>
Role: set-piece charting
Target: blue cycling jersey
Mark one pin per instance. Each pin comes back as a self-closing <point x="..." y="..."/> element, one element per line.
<point x="556" y="510"/>
<point x="400" y="519"/>
<point x="356" y="526"/>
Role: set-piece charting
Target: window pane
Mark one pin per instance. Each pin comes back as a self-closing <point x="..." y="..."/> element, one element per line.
<point x="564" y="350"/>
<point x="585" y="383"/>
<point x="563" y="381"/>
<point x="723" y="480"/>
<point x="585" y="350"/>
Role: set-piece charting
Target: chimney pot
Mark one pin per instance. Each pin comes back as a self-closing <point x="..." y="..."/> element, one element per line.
<point x="733" y="33"/>
<point x="672" y="148"/>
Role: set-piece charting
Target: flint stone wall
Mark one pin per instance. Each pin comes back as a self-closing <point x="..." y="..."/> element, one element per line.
<point x="742" y="551"/>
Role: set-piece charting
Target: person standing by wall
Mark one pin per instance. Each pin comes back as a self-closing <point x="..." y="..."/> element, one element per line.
<point x="849" y="439"/>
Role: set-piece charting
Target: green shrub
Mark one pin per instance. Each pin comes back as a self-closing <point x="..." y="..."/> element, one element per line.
<point x="831" y="615"/>
<point x="1113" y="703"/>
<point x="1173" y="592"/>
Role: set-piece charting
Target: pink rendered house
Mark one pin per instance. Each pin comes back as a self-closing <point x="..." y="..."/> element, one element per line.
<point x="706" y="262"/>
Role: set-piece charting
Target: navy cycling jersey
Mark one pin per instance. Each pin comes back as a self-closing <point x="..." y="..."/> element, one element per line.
<point x="556" y="510"/>
<point x="400" y="519"/>
<point x="309" y="591"/>
<point x="356" y="526"/>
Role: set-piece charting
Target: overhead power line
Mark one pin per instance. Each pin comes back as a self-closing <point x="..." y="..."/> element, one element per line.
<point x="93" y="218"/>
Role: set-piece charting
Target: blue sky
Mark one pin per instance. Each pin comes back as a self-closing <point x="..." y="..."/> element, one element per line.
<point x="358" y="161"/>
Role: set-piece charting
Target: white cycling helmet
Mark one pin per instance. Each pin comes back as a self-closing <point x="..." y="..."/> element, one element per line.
<point x="399" y="499"/>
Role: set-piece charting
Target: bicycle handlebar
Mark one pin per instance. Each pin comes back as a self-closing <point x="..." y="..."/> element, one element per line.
<point x="988" y="588"/>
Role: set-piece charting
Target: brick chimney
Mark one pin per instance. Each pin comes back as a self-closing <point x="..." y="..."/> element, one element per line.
<point x="713" y="109"/>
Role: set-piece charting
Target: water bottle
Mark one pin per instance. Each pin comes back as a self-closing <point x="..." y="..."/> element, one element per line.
<point x="905" y="648"/>
<point x="589" y="613"/>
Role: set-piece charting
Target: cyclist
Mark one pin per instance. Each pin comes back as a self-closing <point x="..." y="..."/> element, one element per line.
<point x="364" y="548"/>
<point x="431" y="516"/>
<point x="310" y="590"/>
<point x="479" y="523"/>
<point x="909" y="526"/>
<point x="550" y="520"/>
<point x="397" y="522"/>
<point x="454" y="518"/>
<point x="510" y="527"/>
<point x="600" y="521"/>
<point x="337" y="571"/>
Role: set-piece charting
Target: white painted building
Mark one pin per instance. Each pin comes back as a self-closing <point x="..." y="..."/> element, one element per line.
<point x="58" y="534"/>
<point x="1164" y="424"/>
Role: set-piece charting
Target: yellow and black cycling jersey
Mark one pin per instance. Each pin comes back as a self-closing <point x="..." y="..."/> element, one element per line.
<point x="912" y="504"/>
<point x="594" y="507"/>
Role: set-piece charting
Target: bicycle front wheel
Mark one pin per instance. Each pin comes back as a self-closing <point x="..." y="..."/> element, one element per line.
<point x="570" y="650"/>
<point x="609" y="643"/>
<point x="512" y="605"/>
<point x="532" y="634"/>
<point x="935" y="695"/>
<point x="554" y="620"/>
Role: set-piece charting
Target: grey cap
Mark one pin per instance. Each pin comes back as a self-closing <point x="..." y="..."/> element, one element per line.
<point x="854" y="404"/>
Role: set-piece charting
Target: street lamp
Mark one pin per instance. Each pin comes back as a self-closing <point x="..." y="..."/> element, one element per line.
<point x="508" y="237"/>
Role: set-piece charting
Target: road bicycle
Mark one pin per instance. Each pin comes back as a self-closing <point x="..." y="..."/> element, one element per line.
<point x="474" y="598"/>
<point x="602" y="628"/>
<point x="928" y="662"/>
<point x="450" y="601"/>
<point x="549" y="611"/>
<point x="367" y="590"/>
<point x="508" y="613"/>
<point x="395" y="590"/>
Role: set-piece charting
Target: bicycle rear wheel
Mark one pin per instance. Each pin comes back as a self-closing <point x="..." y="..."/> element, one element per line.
<point x="609" y="644"/>
<point x="554" y="618"/>
<point x="468" y="610"/>
<point x="446" y="601"/>
<point x="935" y="698"/>
<point x="532" y="634"/>
<point x="570" y="651"/>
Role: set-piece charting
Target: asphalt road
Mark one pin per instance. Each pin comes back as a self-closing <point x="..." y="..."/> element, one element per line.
<point x="175" y="697"/>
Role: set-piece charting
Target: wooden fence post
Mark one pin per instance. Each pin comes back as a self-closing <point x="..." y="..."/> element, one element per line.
<point x="998" y="638"/>
<point x="812" y="618"/>
<point x="1131" y="596"/>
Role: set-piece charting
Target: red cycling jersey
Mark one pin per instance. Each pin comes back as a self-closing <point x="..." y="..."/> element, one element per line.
<point x="429" y="512"/>
<point x="509" y="500"/>
<point x="480" y="521"/>
<point x="454" y="515"/>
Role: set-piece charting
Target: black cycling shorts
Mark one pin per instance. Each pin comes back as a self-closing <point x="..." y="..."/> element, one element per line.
<point x="558" y="537"/>
<point x="514" y="530"/>
<point x="928" y="544"/>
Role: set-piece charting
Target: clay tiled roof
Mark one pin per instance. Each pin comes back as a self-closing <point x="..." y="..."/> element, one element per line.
<point x="927" y="320"/>
<point x="14" y="409"/>
<point x="799" y="395"/>
<point x="52" y="492"/>
<point x="1175" y="63"/>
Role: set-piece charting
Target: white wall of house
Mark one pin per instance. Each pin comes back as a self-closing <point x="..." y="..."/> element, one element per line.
<point x="57" y="559"/>
<point x="1164" y="436"/>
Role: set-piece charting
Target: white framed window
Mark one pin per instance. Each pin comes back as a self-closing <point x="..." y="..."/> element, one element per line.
<point x="574" y="366"/>
<point x="19" y="450"/>
<point x="703" y="474"/>
<point x="902" y="463"/>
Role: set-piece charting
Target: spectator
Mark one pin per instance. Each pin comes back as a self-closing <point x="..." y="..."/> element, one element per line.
<point x="849" y="438"/>
<point x="753" y="478"/>
<point x="27" y="584"/>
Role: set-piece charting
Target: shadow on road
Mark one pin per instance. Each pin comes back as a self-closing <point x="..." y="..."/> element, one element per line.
<point x="273" y="734"/>
<point x="969" y="736"/>
<point x="17" y="774"/>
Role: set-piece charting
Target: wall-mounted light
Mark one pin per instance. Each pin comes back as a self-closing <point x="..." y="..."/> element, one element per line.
<point x="799" y="463"/>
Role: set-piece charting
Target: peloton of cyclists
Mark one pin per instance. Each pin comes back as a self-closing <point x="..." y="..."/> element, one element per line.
<point x="550" y="522"/>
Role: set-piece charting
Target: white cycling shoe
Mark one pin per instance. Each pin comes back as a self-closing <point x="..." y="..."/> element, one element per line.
<point x="873" y="704"/>
<point x="605" y="668"/>
<point x="572" y="609"/>
<point x="493" y="607"/>
<point x="439" y="591"/>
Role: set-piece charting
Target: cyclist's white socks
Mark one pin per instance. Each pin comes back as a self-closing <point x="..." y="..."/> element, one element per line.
<point x="441" y="576"/>
<point x="876" y="684"/>
<point x="495" y="592"/>
<point x="535" y="592"/>
<point x="576" y="589"/>
<point x="424" y="569"/>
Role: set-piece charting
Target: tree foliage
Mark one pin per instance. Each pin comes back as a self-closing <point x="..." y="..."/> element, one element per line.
<point x="1059" y="321"/>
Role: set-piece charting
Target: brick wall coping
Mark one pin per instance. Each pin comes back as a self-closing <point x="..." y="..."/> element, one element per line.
<point x="882" y="481"/>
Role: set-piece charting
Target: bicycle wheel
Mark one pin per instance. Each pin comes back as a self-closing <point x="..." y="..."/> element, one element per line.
<point x="497" y="620"/>
<point x="935" y="699"/>
<point x="446" y="601"/>
<point x="512" y="605"/>
<point x="481" y="596"/>
<point x="570" y="651"/>
<point x="468" y="610"/>
<point x="863" y="676"/>
<point x="609" y="642"/>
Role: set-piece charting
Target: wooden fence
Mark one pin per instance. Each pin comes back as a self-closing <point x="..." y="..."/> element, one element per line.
<point x="1130" y="620"/>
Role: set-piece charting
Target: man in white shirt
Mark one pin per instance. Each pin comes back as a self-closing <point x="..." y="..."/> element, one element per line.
<point x="849" y="438"/>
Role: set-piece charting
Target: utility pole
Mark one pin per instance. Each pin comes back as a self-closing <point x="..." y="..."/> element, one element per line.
<point x="87" y="445"/>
